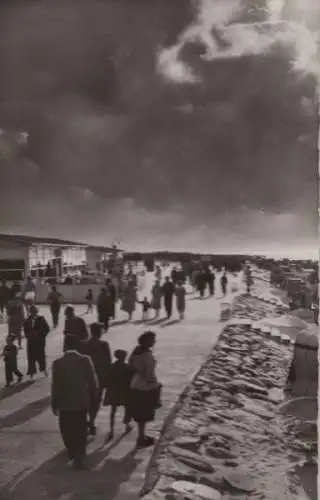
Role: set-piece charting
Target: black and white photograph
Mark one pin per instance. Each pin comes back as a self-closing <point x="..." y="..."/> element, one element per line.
<point x="159" y="249"/>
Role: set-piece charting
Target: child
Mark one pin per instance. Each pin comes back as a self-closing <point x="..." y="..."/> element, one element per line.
<point x="89" y="299"/>
<point x="145" y="308"/>
<point x="10" y="356"/>
<point x="117" y="393"/>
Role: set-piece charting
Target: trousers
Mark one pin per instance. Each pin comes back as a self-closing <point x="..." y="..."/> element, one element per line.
<point x="73" y="429"/>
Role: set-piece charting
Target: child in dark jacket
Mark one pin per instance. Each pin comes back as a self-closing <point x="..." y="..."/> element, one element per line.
<point x="117" y="390"/>
<point x="10" y="356"/>
<point x="145" y="308"/>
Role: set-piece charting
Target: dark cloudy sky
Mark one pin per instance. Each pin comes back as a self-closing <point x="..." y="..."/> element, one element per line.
<point x="160" y="124"/>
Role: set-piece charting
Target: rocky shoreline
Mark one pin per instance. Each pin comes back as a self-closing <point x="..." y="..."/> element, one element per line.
<point x="226" y="439"/>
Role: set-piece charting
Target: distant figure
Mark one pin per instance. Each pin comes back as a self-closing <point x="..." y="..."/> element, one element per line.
<point x="74" y="325"/>
<point x="158" y="273"/>
<point x="194" y="278"/>
<point x="5" y="296"/>
<point x="89" y="299"/>
<point x="224" y="283"/>
<point x="249" y="282"/>
<point x="129" y="299"/>
<point x="74" y="389"/>
<point x="145" y="308"/>
<point x="29" y="293"/>
<point x="99" y="352"/>
<point x="16" y="318"/>
<point x="10" y="357"/>
<point x="174" y="276"/>
<point x="113" y="294"/>
<point x="201" y="282"/>
<point x="36" y="330"/>
<point x="145" y="389"/>
<point x="117" y="393"/>
<point x="156" y="298"/>
<point x="55" y="298"/>
<point x="168" y="290"/>
<point x="181" y="299"/>
<point x="104" y="308"/>
<point x="210" y="277"/>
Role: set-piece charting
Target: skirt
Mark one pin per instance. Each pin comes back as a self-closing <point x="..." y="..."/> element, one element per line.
<point x="142" y="405"/>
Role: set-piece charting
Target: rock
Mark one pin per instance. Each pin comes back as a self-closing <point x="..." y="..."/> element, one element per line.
<point x="275" y="395"/>
<point x="221" y="378"/>
<point x="214" y="416"/>
<point x="219" y="452"/>
<point x="231" y="463"/>
<point x="196" y="491"/>
<point x="252" y="406"/>
<point x="227" y="432"/>
<point x="185" y="425"/>
<point x="215" y="480"/>
<point x="248" y="386"/>
<point x="187" y="442"/>
<point x="252" y="380"/>
<point x="172" y="468"/>
<point x="191" y="459"/>
<point x="241" y="481"/>
<point x="220" y="441"/>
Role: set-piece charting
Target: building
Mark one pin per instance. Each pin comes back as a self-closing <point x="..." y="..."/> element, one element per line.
<point x="49" y="257"/>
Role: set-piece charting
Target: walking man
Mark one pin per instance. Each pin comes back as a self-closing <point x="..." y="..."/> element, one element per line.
<point x="99" y="352"/>
<point x="73" y="395"/>
<point x="55" y="299"/>
<point x="113" y="295"/>
<point x="168" y="291"/>
<point x="211" y="281"/>
<point x="74" y="325"/>
<point x="36" y="330"/>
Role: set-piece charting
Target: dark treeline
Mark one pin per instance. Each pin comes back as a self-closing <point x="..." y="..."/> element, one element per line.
<point x="231" y="262"/>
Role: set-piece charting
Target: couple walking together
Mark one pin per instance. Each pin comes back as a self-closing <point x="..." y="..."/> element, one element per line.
<point x="77" y="389"/>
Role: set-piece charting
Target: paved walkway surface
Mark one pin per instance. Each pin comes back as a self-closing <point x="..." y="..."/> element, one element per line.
<point x="32" y="462"/>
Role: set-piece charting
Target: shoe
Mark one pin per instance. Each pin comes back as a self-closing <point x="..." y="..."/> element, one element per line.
<point x="79" y="464"/>
<point x="145" y="442"/>
<point x="20" y="377"/>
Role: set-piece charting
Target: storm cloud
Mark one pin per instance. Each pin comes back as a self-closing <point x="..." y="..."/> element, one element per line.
<point x="167" y="125"/>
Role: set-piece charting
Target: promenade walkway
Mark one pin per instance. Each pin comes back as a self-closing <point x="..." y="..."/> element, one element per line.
<point x="32" y="464"/>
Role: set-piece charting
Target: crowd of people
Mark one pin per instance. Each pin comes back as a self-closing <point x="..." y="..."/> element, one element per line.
<point x="85" y="376"/>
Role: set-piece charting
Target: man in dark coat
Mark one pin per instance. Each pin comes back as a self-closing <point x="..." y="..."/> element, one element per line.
<point x="201" y="283"/>
<point x="36" y="330"/>
<point x="113" y="296"/>
<point x="104" y="308"/>
<point x="210" y="277"/>
<point x="73" y="395"/>
<point x="99" y="352"/>
<point x="74" y="325"/>
<point x="168" y="289"/>
<point x="174" y="275"/>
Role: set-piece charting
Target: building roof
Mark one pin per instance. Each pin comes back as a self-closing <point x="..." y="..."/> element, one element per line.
<point x="41" y="240"/>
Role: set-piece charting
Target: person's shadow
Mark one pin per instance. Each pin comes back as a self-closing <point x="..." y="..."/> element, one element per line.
<point x="55" y="478"/>
<point x="15" y="389"/>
